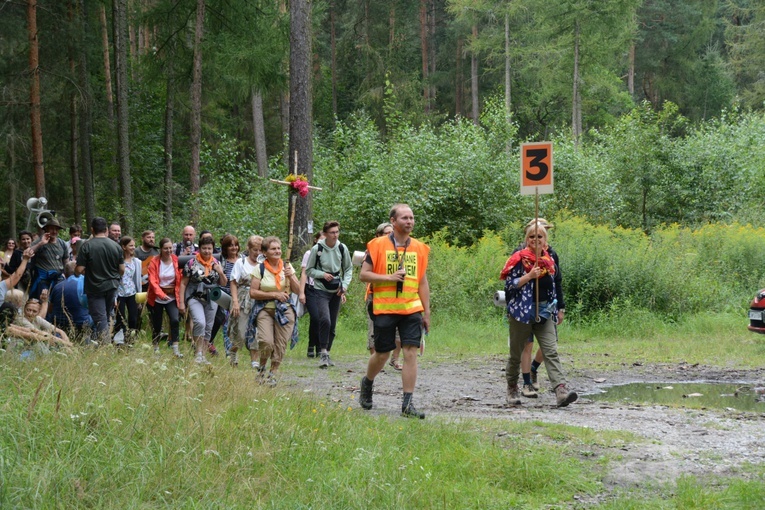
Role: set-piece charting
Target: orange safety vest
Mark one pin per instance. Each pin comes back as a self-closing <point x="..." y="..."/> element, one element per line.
<point x="385" y="260"/>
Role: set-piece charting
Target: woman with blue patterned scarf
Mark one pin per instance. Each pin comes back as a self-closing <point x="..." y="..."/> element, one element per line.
<point x="532" y="309"/>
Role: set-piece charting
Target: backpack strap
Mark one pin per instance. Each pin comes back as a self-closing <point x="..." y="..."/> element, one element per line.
<point x="262" y="269"/>
<point x="319" y="250"/>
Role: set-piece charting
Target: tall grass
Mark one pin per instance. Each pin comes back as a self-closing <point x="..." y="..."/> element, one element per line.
<point x="121" y="431"/>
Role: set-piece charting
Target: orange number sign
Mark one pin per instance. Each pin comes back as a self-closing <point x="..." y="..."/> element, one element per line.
<point x="536" y="168"/>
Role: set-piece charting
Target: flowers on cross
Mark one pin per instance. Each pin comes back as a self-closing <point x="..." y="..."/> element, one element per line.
<point x="299" y="183"/>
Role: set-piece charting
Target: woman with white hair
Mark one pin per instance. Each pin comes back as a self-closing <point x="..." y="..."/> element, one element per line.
<point x="529" y="273"/>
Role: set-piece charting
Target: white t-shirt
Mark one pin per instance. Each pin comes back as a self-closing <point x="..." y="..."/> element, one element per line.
<point x="166" y="279"/>
<point x="243" y="271"/>
<point x="166" y="274"/>
<point x="304" y="265"/>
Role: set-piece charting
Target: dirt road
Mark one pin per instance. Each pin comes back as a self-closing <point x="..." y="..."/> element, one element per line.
<point x="677" y="441"/>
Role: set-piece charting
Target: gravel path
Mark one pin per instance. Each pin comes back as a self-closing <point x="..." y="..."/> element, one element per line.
<point x="677" y="441"/>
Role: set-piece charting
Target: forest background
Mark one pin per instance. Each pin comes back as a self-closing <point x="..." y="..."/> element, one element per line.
<point x="159" y="112"/>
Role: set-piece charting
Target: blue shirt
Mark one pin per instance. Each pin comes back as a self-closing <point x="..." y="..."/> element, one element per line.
<point x="67" y="302"/>
<point x="521" y="300"/>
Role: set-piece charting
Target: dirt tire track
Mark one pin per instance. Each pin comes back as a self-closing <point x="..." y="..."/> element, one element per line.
<point x="677" y="441"/>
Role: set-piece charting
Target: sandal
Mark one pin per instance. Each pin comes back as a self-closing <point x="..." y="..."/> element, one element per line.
<point x="396" y="364"/>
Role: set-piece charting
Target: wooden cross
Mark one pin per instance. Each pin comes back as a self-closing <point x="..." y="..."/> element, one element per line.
<point x="293" y="200"/>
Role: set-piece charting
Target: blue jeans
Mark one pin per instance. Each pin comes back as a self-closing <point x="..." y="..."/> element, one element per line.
<point x="44" y="279"/>
<point x="100" y="305"/>
<point x="323" y="308"/>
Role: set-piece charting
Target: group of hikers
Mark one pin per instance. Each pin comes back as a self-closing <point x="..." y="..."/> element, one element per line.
<point x="93" y="291"/>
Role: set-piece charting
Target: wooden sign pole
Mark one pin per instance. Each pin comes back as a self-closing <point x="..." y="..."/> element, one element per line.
<point x="536" y="249"/>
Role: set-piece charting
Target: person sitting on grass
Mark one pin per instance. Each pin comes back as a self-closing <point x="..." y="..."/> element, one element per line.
<point x="31" y="319"/>
<point x="30" y="327"/>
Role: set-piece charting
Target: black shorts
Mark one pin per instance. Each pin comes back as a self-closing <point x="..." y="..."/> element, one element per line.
<point x="409" y="329"/>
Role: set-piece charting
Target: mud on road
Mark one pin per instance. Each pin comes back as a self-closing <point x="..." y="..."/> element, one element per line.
<point x="675" y="441"/>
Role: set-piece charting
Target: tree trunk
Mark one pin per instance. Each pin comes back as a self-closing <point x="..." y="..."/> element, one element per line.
<point x="86" y="118"/>
<point x="169" y="113"/>
<point x="196" y="102"/>
<point x="260" y="133"/>
<point x="284" y="117"/>
<point x="474" y="78"/>
<point x="73" y="159"/>
<point x="391" y="29"/>
<point x="424" y="52"/>
<point x="333" y="63"/>
<point x="74" y="167"/>
<point x="576" y="110"/>
<point x="301" y="141"/>
<point x="123" y="141"/>
<point x="284" y="103"/>
<point x="34" y="99"/>
<point x="132" y="37"/>
<point x="631" y="72"/>
<point x="508" y="103"/>
<point x="458" y="77"/>
<point x="432" y="49"/>
<point x="367" y="50"/>
<point x="107" y="67"/>
<point x="12" y="186"/>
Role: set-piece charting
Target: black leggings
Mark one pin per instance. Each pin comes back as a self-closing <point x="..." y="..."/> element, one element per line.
<point x="132" y="309"/>
<point x="156" y="320"/>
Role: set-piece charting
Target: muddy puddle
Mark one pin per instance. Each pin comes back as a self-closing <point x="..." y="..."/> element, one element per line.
<point x="692" y="395"/>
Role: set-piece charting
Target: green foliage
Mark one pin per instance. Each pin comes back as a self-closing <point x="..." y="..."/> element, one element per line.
<point x="673" y="272"/>
<point x="463" y="280"/>
<point x="454" y="177"/>
<point x="234" y="199"/>
<point x="609" y="274"/>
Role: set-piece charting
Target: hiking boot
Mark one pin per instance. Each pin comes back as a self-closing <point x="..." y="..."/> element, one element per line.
<point x="200" y="359"/>
<point x="365" y="393"/>
<point x="311" y="352"/>
<point x="324" y="363"/>
<point x="411" y="412"/>
<point x="512" y="395"/>
<point x="156" y="351"/>
<point x="528" y="391"/>
<point x="270" y="380"/>
<point x="329" y="360"/>
<point x="260" y="377"/>
<point x="233" y="360"/>
<point x="213" y="350"/>
<point x="563" y="396"/>
<point x="534" y="380"/>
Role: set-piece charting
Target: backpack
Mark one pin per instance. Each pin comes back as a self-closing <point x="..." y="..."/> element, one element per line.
<point x="320" y="249"/>
<point x="336" y="282"/>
